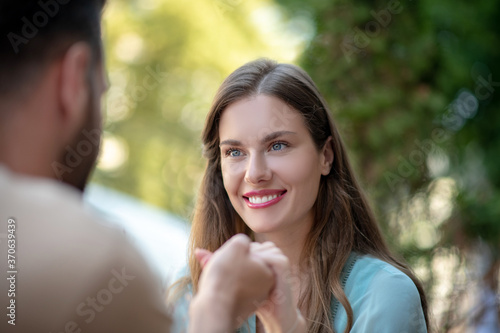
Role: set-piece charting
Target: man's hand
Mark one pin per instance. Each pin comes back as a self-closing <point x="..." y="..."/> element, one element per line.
<point x="231" y="287"/>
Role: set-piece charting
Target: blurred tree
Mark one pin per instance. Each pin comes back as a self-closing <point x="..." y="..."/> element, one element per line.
<point x="414" y="87"/>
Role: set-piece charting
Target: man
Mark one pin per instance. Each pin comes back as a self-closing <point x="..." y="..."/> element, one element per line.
<point x="62" y="270"/>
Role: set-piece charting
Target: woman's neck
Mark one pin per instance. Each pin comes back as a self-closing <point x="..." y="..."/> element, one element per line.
<point x="291" y="242"/>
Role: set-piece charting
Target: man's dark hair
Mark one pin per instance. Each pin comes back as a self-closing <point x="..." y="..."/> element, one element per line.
<point x="34" y="32"/>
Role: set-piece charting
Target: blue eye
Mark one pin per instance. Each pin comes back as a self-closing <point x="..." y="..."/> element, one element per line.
<point x="278" y="146"/>
<point x="233" y="153"/>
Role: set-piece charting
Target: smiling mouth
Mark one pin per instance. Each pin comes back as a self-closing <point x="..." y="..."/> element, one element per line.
<point x="261" y="201"/>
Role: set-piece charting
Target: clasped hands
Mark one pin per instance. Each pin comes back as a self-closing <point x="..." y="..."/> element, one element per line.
<point x="241" y="278"/>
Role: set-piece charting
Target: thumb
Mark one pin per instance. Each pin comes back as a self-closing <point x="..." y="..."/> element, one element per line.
<point x="203" y="256"/>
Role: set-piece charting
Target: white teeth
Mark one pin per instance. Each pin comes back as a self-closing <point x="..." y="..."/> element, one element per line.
<point x="258" y="200"/>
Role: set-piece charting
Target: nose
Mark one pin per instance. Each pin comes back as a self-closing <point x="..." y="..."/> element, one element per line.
<point x="257" y="170"/>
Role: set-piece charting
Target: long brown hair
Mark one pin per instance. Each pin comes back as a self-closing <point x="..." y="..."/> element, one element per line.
<point x="344" y="222"/>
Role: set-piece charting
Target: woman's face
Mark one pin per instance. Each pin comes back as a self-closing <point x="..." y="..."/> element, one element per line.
<point x="270" y="165"/>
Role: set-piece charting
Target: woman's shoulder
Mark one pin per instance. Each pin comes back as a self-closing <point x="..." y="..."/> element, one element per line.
<point x="368" y="268"/>
<point x="377" y="277"/>
<point x="377" y="289"/>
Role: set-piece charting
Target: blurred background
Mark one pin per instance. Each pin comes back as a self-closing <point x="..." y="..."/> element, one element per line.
<point x="414" y="87"/>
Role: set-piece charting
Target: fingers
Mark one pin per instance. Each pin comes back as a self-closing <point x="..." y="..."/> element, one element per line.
<point x="234" y="276"/>
<point x="203" y="256"/>
<point x="238" y="243"/>
<point x="261" y="246"/>
<point x="268" y="252"/>
<point x="271" y="255"/>
<point x="237" y="246"/>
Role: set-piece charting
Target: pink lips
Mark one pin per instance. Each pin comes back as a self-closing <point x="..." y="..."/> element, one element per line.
<point x="280" y="193"/>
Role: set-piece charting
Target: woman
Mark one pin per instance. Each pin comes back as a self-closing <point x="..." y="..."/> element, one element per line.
<point x="278" y="171"/>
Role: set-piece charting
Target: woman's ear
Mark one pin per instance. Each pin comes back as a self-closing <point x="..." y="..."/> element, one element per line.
<point x="327" y="156"/>
<point x="74" y="94"/>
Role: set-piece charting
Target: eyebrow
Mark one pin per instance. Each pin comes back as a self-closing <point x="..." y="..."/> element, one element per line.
<point x="267" y="138"/>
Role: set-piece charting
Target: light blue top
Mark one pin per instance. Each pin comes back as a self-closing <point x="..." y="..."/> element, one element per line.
<point x="383" y="300"/>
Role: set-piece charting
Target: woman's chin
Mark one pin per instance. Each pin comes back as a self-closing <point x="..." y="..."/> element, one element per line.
<point x="262" y="227"/>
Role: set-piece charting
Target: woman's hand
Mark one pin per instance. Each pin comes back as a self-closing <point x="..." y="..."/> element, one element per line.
<point x="279" y="313"/>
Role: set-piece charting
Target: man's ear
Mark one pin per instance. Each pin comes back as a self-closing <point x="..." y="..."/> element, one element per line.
<point x="327" y="156"/>
<point x="74" y="88"/>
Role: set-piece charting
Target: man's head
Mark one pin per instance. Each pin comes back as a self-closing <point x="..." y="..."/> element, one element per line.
<point x="51" y="81"/>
